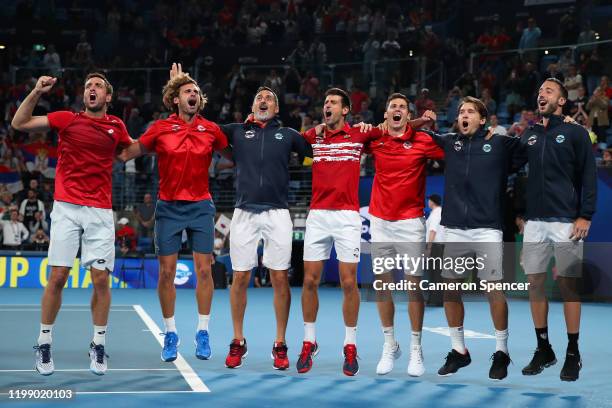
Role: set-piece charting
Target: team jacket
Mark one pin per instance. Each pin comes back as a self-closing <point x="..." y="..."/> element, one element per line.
<point x="475" y="178"/>
<point x="562" y="181"/>
<point x="262" y="158"/>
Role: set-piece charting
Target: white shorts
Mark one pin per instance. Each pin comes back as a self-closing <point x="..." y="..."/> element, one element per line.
<point x="400" y="237"/>
<point x="92" y="228"/>
<point x="542" y="240"/>
<point x="341" y="228"/>
<point x="484" y="245"/>
<point x="248" y="228"/>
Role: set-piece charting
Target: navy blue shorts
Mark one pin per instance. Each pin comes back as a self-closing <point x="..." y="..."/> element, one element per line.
<point x="172" y="217"/>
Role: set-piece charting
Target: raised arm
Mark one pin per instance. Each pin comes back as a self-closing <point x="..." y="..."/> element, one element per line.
<point x="23" y="119"/>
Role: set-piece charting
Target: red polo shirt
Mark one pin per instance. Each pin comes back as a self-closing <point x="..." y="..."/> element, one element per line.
<point x="335" y="167"/>
<point x="398" y="191"/>
<point x="86" y="150"/>
<point x="184" y="151"/>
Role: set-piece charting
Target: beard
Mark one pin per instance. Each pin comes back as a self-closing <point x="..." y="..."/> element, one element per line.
<point x="263" y="116"/>
<point x="550" y="109"/>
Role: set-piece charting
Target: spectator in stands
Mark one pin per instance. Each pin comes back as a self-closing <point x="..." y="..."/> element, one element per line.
<point x="531" y="82"/>
<point x="14" y="232"/>
<point x="125" y="236"/>
<point x="424" y="103"/>
<point x="494" y="127"/>
<point x="39" y="240"/>
<point x="39" y="222"/>
<point x="488" y="101"/>
<point x="52" y="61"/>
<point x="530" y="39"/>
<point x="587" y="35"/>
<point x="552" y="71"/>
<point x="274" y="82"/>
<point x="593" y="69"/>
<point x="370" y="49"/>
<point x="82" y="55"/>
<point x="145" y="215"/>
<point x="6" y="202"/>
<point x="519" y="127"/>
<point x="452" y="104"/>
<point x="604" y="85"/>
<point x="573" y="81"/>
<point x="358" y="96"/>
<point x="12" y="162"/>
<point x="135" y="123"/>
<point x="300" y="57"/>
<point x="578" y="108"/>
<point x="366" y="113"/>
<point x="30" y="206"/>
<point x="598" y="113"/>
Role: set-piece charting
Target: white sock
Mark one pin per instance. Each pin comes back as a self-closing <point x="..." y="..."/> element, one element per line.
<point x="389" y="333"/>
<point x="99" y="337"/>
<point x="170" y="324"/>
<point x="457" y="340"/>
<point x="45" y="335"/>
<point x="309" y="332"/>
<point x="415" y="339"/>
<point x="501" y="340"/>
<point x="203" y="322"/>
<point x="350" y="335"/>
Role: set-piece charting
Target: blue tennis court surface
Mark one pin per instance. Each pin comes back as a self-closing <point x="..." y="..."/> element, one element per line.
<point x="137" y="377"/>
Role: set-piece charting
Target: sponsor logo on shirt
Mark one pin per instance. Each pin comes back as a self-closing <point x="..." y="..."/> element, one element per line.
<point x="458" y="145"/>
<point x="249" y="134"/>
<point x="486" y="148"/>
<point x="407" y="145"/>
<point x="532" y="140"/>
<point x="356" y="252"/>
<point x="110" y="131"/>
<point x="201" y="128"/>
<point x="175" y="128"/>
<point x="560" y="139"/>
<point x="278" y="136"/>
<point x="347" y="136"/>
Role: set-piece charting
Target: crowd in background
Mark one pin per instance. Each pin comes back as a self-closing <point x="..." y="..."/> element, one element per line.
<point x="378" y="39"/>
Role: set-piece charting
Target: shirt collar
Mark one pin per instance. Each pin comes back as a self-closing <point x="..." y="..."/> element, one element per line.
<point x="330" y="133"/>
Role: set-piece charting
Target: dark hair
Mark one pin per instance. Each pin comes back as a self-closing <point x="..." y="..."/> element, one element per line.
<point x="346" y="100"/>
<point x="265" y="88"/>
<point x="397" y="95"/>
<point x="562" y="87"/>
<point x="480" y="106"/>
<point x="109" y="87"/>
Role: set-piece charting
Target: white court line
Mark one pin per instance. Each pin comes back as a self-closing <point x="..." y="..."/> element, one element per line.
<point x="127" y="392"/>
<point x="443" y="331"/>
<point x="87" y="369"/>
<point x="194" y="381"/>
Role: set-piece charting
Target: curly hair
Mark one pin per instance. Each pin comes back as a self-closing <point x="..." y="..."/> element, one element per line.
<point x="171" y="91"/>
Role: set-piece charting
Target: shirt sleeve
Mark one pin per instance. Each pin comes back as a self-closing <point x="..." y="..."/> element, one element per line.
<point x="438" y="138"/>
<point x="149" y="138"/>
<point x="124" y="137"/>
<point x="588" y="172"/>
<point x="60" y="119"/>
<point x="299" y="145"/>
<point x="310" y="135"/>
<point x="432" y="150"/>
<point x="228" y="131"/>
<point x="220" y="142"/>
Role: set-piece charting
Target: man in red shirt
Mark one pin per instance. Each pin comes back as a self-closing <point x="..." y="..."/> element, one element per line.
<point x="184" y="144"/>
<point x="82" y="210"/>
<point x="397" y="225"/>
<point x="333" y="220"/>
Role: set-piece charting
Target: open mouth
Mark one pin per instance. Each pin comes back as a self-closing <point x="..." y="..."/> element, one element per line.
<point x="263" y="108"/>
<point x="464" y="124"/>
<point x="542" y="103"/>
<point x="92" y="97"/>
<point x="328" y="114"/>
<point x="192" y="102"/>
<point x="397" y="117"/>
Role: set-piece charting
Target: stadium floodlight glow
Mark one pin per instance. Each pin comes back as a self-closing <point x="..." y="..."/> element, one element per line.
<point x="410" y="53"/>
<point x="2" y="46"/>
<point x="546" y="52"/>
<point x="597" y="36"/>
